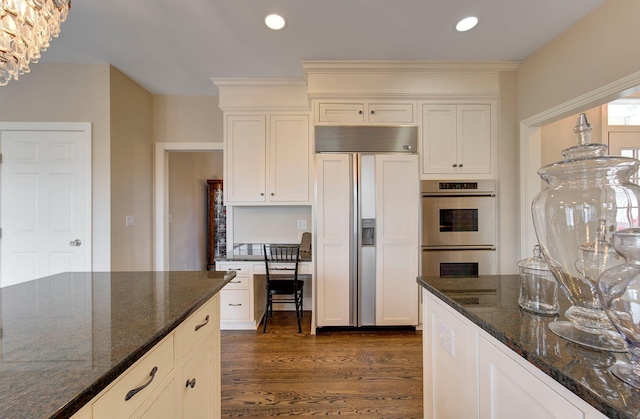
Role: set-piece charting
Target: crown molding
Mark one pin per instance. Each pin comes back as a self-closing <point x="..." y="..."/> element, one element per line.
<point x="337" y="67"/>
<point x="258" y="82"/>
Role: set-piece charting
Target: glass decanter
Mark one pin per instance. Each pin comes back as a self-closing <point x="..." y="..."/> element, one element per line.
<point x="589" y="196"/>
<point x="619" y="290"/>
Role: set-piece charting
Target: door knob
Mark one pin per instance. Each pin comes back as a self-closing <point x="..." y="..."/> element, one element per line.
<point x="75" y="242"/>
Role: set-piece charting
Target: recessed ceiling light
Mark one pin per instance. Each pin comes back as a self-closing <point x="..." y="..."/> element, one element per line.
<point x="467" y="23"/>
<point x="275" y="21"/>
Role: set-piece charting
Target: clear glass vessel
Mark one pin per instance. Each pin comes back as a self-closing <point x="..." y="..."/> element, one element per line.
<point x="619" y="290"/>
<point x="538" y="287"/>
<point x="589" y="196"/>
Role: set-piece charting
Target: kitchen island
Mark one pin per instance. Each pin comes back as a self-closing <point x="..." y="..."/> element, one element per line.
<point x="486" y="357"/>
<point x="67" y="338"/>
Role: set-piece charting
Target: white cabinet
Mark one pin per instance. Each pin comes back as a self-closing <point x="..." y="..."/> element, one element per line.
<point x="470" y="374"/>
<point x="159" y="386"/>
<point x="242" y="300"/>
<point x="267" y="159"/>
<point x="357" y="112"/>
<point x="200" y="385"/>
<point x="457" y="139"/>
<point x="395" y="205"/>
<point x="506" y="390"/>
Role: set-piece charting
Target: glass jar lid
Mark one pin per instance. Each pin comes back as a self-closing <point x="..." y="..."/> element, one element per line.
<point x="536" y="263"/>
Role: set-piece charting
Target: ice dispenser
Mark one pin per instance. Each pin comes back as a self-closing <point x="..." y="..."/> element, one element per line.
<point x="368" y="231"/>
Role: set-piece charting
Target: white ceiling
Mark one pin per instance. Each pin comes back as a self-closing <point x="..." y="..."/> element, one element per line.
<point x="175" y="47"/>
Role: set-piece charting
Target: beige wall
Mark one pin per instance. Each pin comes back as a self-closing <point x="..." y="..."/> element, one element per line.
<point x="593" y="53"/>
<point x="559" y="135"/>
<point x="508" y="198"/>
<point x="71" y="93"/>
<point x="188" y="174"/>
<point x="131" y="174"/>
<point x="187" y="119"/>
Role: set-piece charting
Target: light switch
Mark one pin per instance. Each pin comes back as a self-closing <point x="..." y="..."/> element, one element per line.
<point x="129" y="221"/>
<point x="302" y="224"/>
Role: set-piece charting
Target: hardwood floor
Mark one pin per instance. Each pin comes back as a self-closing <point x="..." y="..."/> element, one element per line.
<point x="351" y="374"/>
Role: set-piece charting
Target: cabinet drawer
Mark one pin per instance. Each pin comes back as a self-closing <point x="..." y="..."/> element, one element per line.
<point x="230" y="266"/>
<point x="235" y="304"/>
<point x="200" y="324"/>
<point x="238" y="283"/>
<point x="303" y="268"/>
<point x="112" y="403"/>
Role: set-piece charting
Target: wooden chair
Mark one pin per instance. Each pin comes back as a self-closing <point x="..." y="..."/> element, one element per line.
<point x="281" y="263"/>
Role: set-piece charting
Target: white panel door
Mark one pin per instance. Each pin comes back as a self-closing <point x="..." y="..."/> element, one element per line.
<point x="439" y="139"/>
<point x="333" y="203"/>
<point x="397" y="242"/>
<point x="245" y="155"/>
<point x="45" y="201"/>
<point x="474" y="138"/>
<point x="289" y="159"/>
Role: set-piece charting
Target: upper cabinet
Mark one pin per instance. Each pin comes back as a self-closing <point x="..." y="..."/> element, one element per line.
<point x="457" y="139"/>
<point x="365" y="112"/>
<point x="267" y="159"/>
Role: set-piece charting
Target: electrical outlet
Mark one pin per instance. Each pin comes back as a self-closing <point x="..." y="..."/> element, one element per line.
<point x="445" y="336"/>
<point x="129" y="221"/>
<point x="302" y="224"/>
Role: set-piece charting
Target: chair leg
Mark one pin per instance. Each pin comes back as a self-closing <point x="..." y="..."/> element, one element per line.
<point x="298" y="299"/>
<point x="266" y="314"/>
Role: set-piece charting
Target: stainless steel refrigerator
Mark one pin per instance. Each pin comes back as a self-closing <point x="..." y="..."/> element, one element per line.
<point x="367" y="225"/>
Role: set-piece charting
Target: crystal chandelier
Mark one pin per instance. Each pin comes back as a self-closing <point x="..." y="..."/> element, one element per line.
<point x="26" y="27"/>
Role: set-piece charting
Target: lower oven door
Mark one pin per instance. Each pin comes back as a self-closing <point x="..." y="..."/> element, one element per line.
<point x="458" y="261"/>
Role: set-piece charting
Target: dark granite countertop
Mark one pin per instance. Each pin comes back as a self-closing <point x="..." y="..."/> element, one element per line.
<point x="64" y="338"/>
<point x="581" y="370"/>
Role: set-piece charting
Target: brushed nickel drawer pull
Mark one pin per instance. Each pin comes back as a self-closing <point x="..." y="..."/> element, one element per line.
<point x="235" y="282"/>
<point x="133" y="392"/>
<point x="235" y="305"/>
<point x="191" y="383"/>
<point x="206" y="320"/>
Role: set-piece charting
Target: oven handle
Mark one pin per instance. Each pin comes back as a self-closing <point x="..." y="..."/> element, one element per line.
<point x="456" y="248"/>
<point x="458" y="195"/>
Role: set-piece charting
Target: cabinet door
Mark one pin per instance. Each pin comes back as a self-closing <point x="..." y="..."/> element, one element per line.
<point x="341" y="112"/>
<point x="399" y="113"/>
<point x="474" y="139"/>
<point x="506" y="390"/>
<point x="447" y="357"/>
<point x="289" y="156"/>
<point x="246" y="159"/>
<point x="333" y="239"/>
<point x="439" y="143"/>
<point x="397" y="251"/>
<point x="198" y="387"/>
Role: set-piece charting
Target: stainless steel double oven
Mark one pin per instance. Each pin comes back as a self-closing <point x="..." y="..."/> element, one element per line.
<point x="459" y="228"/>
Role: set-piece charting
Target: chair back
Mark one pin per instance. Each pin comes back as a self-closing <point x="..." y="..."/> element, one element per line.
<point x="279" y="258"/>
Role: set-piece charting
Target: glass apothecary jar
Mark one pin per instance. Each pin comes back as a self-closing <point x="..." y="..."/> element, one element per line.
<point x="619" y="290"/>
<point x="589" y="196"/>
<point x="538" y="287"/>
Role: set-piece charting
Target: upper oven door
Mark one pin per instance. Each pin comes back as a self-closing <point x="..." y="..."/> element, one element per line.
<point x="458" y="220"/>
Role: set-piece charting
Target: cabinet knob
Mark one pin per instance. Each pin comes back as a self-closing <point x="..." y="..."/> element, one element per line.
<point x="261" y="193"/>
<point x="359" y="112"/>
<point x="460" y="165"/>
<point x="372" y="112"/>
<point x="191" y="383"/>
<point x="455" y="165"/>
<point x="272" y="194"/>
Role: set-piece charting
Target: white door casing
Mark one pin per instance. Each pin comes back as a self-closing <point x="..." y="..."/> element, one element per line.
<point x="45" y="208"/>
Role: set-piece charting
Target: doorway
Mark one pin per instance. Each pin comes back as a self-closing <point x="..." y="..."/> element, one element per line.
<point x="161" y="187"/>
<point x="45" y="200"/>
